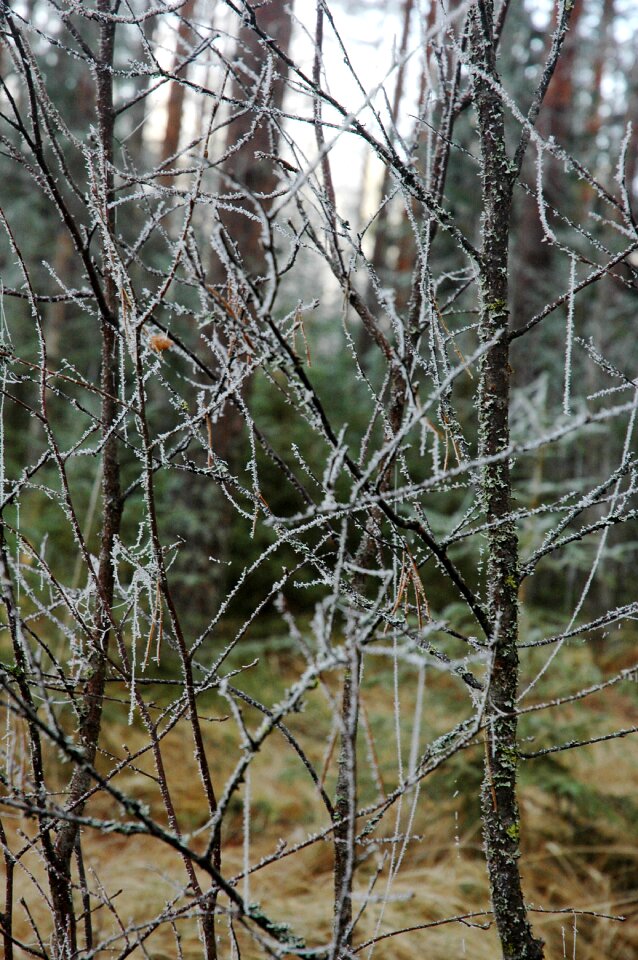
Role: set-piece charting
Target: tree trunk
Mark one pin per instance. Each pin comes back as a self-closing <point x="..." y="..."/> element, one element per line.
<point x="345" y="810"/>
<point x="175" y="106"/>
<point x="252" y="141"/>
<point x="498" y="796"/>
<point x="252" y="137"/>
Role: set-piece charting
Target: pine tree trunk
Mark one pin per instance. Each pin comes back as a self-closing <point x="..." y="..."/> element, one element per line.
<point x="175" y="107"/>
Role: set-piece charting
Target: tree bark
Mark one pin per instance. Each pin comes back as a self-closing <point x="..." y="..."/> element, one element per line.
<point x="499" y="802"/>
<point x="252" y="137"/>
<point x="175" y="107"/>
<point x="345" y="810"/>
<point x="252" y="143"/>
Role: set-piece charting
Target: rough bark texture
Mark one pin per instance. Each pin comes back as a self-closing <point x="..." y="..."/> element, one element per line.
<point x="344" y="811"/>
<point x="498" y="797"/>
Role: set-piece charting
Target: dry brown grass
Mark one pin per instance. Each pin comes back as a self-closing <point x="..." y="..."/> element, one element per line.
<point x="577" y="823"/>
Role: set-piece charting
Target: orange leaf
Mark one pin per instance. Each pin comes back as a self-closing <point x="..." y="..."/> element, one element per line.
<point x="160" y="342"/>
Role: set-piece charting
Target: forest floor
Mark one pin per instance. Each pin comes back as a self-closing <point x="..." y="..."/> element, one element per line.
<point x="579" y="821"/>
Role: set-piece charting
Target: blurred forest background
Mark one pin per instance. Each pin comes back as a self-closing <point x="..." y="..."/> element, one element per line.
<point x="241" y="473"/>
